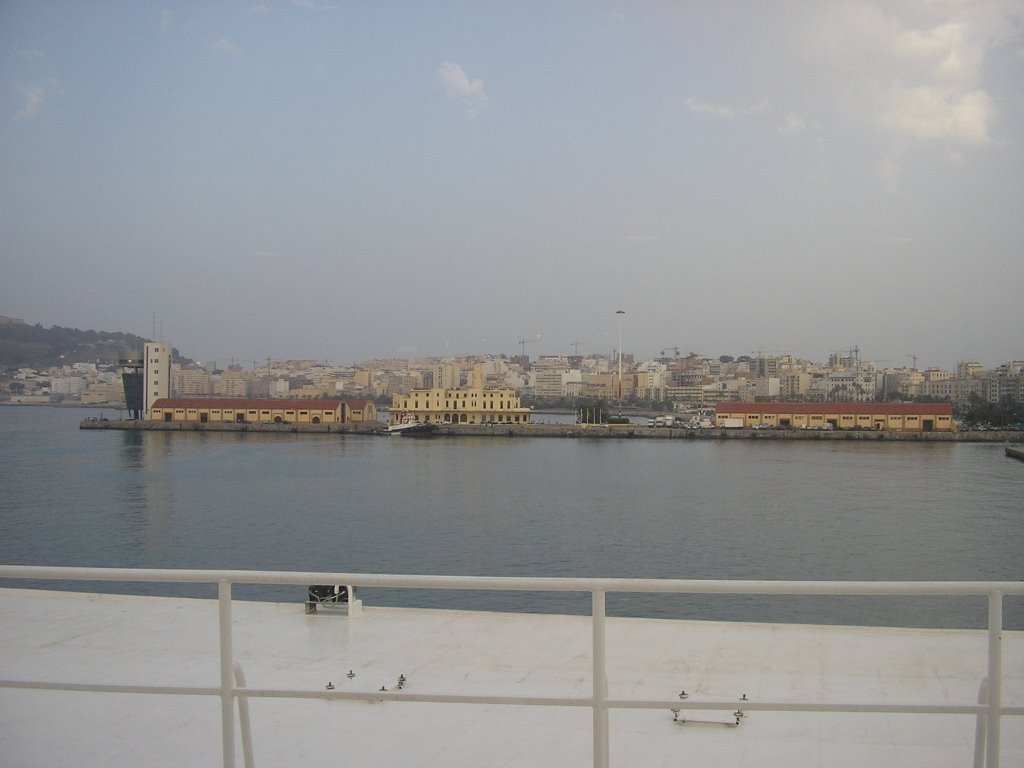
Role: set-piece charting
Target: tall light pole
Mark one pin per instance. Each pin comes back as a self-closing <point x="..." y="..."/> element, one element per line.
<point x="620" y="313"/>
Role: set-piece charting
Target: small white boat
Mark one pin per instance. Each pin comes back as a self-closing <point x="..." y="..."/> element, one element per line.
<point x="409" y="424"/>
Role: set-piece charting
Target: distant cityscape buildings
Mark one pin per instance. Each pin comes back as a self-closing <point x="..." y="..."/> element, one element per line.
<point x="679" y="382"/>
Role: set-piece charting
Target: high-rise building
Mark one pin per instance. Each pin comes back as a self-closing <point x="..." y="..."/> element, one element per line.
<point x="157" y="368"/>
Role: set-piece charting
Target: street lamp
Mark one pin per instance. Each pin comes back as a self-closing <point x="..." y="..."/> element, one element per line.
<point x="620" y="313"/>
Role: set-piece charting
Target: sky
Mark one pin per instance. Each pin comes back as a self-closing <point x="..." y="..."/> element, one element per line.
<point x="342" y="181"/>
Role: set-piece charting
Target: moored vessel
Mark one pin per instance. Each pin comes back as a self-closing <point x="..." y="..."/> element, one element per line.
<point x="409" y="424"/>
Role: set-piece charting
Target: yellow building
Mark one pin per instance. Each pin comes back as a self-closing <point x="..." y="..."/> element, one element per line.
<point x="214" y="410"/>
<point x="606" y="385"/>
<point x="903" y="417"/>
<point x="461" y="406"/>
<point x="360" y="410"/>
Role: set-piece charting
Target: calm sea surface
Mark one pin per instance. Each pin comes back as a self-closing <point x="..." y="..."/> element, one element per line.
<point x="505" y="506"/>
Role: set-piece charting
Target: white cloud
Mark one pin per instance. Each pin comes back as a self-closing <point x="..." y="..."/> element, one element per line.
<point x="461" y="88"/>
<point x="792" y="124"/>
<point x="29" y="55"/>
<point x="947" y="50"/>
<point x="35" y="98"/>
<point x="225" y="47"/>
<point x="909" y="70"/>
<point x="724" y="110"/>
<point x="309" y="5"/>
<point x="929" y="112"/>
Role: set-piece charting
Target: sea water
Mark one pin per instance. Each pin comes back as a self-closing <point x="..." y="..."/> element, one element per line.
<point x="513" y="506"/>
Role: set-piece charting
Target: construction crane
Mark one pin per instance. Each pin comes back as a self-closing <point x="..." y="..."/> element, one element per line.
<point x="914" y="359"/>
<point x="670" y="349"/>
<point x="523" y="342"/>
<point x="576" y="346"/>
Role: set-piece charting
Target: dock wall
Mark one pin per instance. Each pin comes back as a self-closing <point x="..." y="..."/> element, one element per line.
<point x="595" y="431"/>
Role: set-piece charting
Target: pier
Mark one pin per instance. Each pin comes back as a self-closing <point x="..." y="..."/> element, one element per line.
<point x="586" y="431"/>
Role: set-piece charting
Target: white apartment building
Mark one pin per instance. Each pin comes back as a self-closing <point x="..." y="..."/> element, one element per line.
<point x="191" y="382"/>
<point x="939" y="388"/>
<point x="967" y="369"/>
<point x="854" y="387"/>
<point x="157" y="373"/>
<point x="769" y="386"/>
<point x="69" y="386"/>
<point x="447" y="376"/>
<point x="548" y="382"/>
<point x="794" y="384"/>
<point x="232" y="384"/>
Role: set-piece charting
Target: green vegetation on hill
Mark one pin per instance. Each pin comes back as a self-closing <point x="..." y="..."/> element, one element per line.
<point x="33" y="346"/>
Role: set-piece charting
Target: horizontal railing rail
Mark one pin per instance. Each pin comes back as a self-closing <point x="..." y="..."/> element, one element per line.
<point x="989" y="710"/>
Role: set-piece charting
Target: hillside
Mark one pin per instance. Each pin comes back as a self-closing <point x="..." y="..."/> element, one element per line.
<point x="33" y="346"/>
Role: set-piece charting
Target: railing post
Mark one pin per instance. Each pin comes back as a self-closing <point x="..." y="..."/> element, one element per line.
<point x="979" y="727"/>
<point x="244" y="724"/>
<point x="227" y="703"/>
<point x="995" y="678"/>
<point x="600" y="675"/>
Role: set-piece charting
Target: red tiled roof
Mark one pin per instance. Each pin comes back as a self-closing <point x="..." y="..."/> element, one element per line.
<point x="241" y="403"/>
<point x="360" y="404"/>
<point x="872" y="409"/>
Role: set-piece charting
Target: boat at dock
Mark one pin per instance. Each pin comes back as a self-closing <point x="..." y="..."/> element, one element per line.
<point x="409" y="424"/>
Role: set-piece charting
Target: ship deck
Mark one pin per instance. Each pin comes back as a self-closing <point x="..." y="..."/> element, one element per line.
<point x="130" y="640"/>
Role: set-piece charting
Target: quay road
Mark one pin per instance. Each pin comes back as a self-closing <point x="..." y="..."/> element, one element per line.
<point x="596" y="431"/>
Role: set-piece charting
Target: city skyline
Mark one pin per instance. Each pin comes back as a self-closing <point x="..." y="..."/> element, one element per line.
<point x="338" y="181"/>
<point x="855" y="351"/>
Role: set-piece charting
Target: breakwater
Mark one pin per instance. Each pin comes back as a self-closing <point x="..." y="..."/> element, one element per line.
<point x="586" y="431"/>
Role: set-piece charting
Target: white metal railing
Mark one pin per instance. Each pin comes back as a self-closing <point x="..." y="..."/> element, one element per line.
<point x="989" y="710"/>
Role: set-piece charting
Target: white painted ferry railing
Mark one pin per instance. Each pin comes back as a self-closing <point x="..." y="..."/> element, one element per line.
<point x="989" y="709"/>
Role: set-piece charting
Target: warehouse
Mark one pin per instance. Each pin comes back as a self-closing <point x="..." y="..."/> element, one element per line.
<point x="214" y="410"/>
<point x="903" y="417"/>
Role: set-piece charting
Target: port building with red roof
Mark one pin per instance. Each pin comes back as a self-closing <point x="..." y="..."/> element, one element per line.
<point x="902" y="417"/>
<point x="218" y="410"/>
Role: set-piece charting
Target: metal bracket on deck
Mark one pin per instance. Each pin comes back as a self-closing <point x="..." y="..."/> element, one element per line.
<point x="398" y="686"/>
<point x="737" y="716"/>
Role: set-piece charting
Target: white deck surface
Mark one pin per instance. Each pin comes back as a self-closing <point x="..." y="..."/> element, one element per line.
<point x="73" y="637"/>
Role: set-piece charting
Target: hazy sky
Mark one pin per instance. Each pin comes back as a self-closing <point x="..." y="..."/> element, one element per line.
<point x="347" y="180"/>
